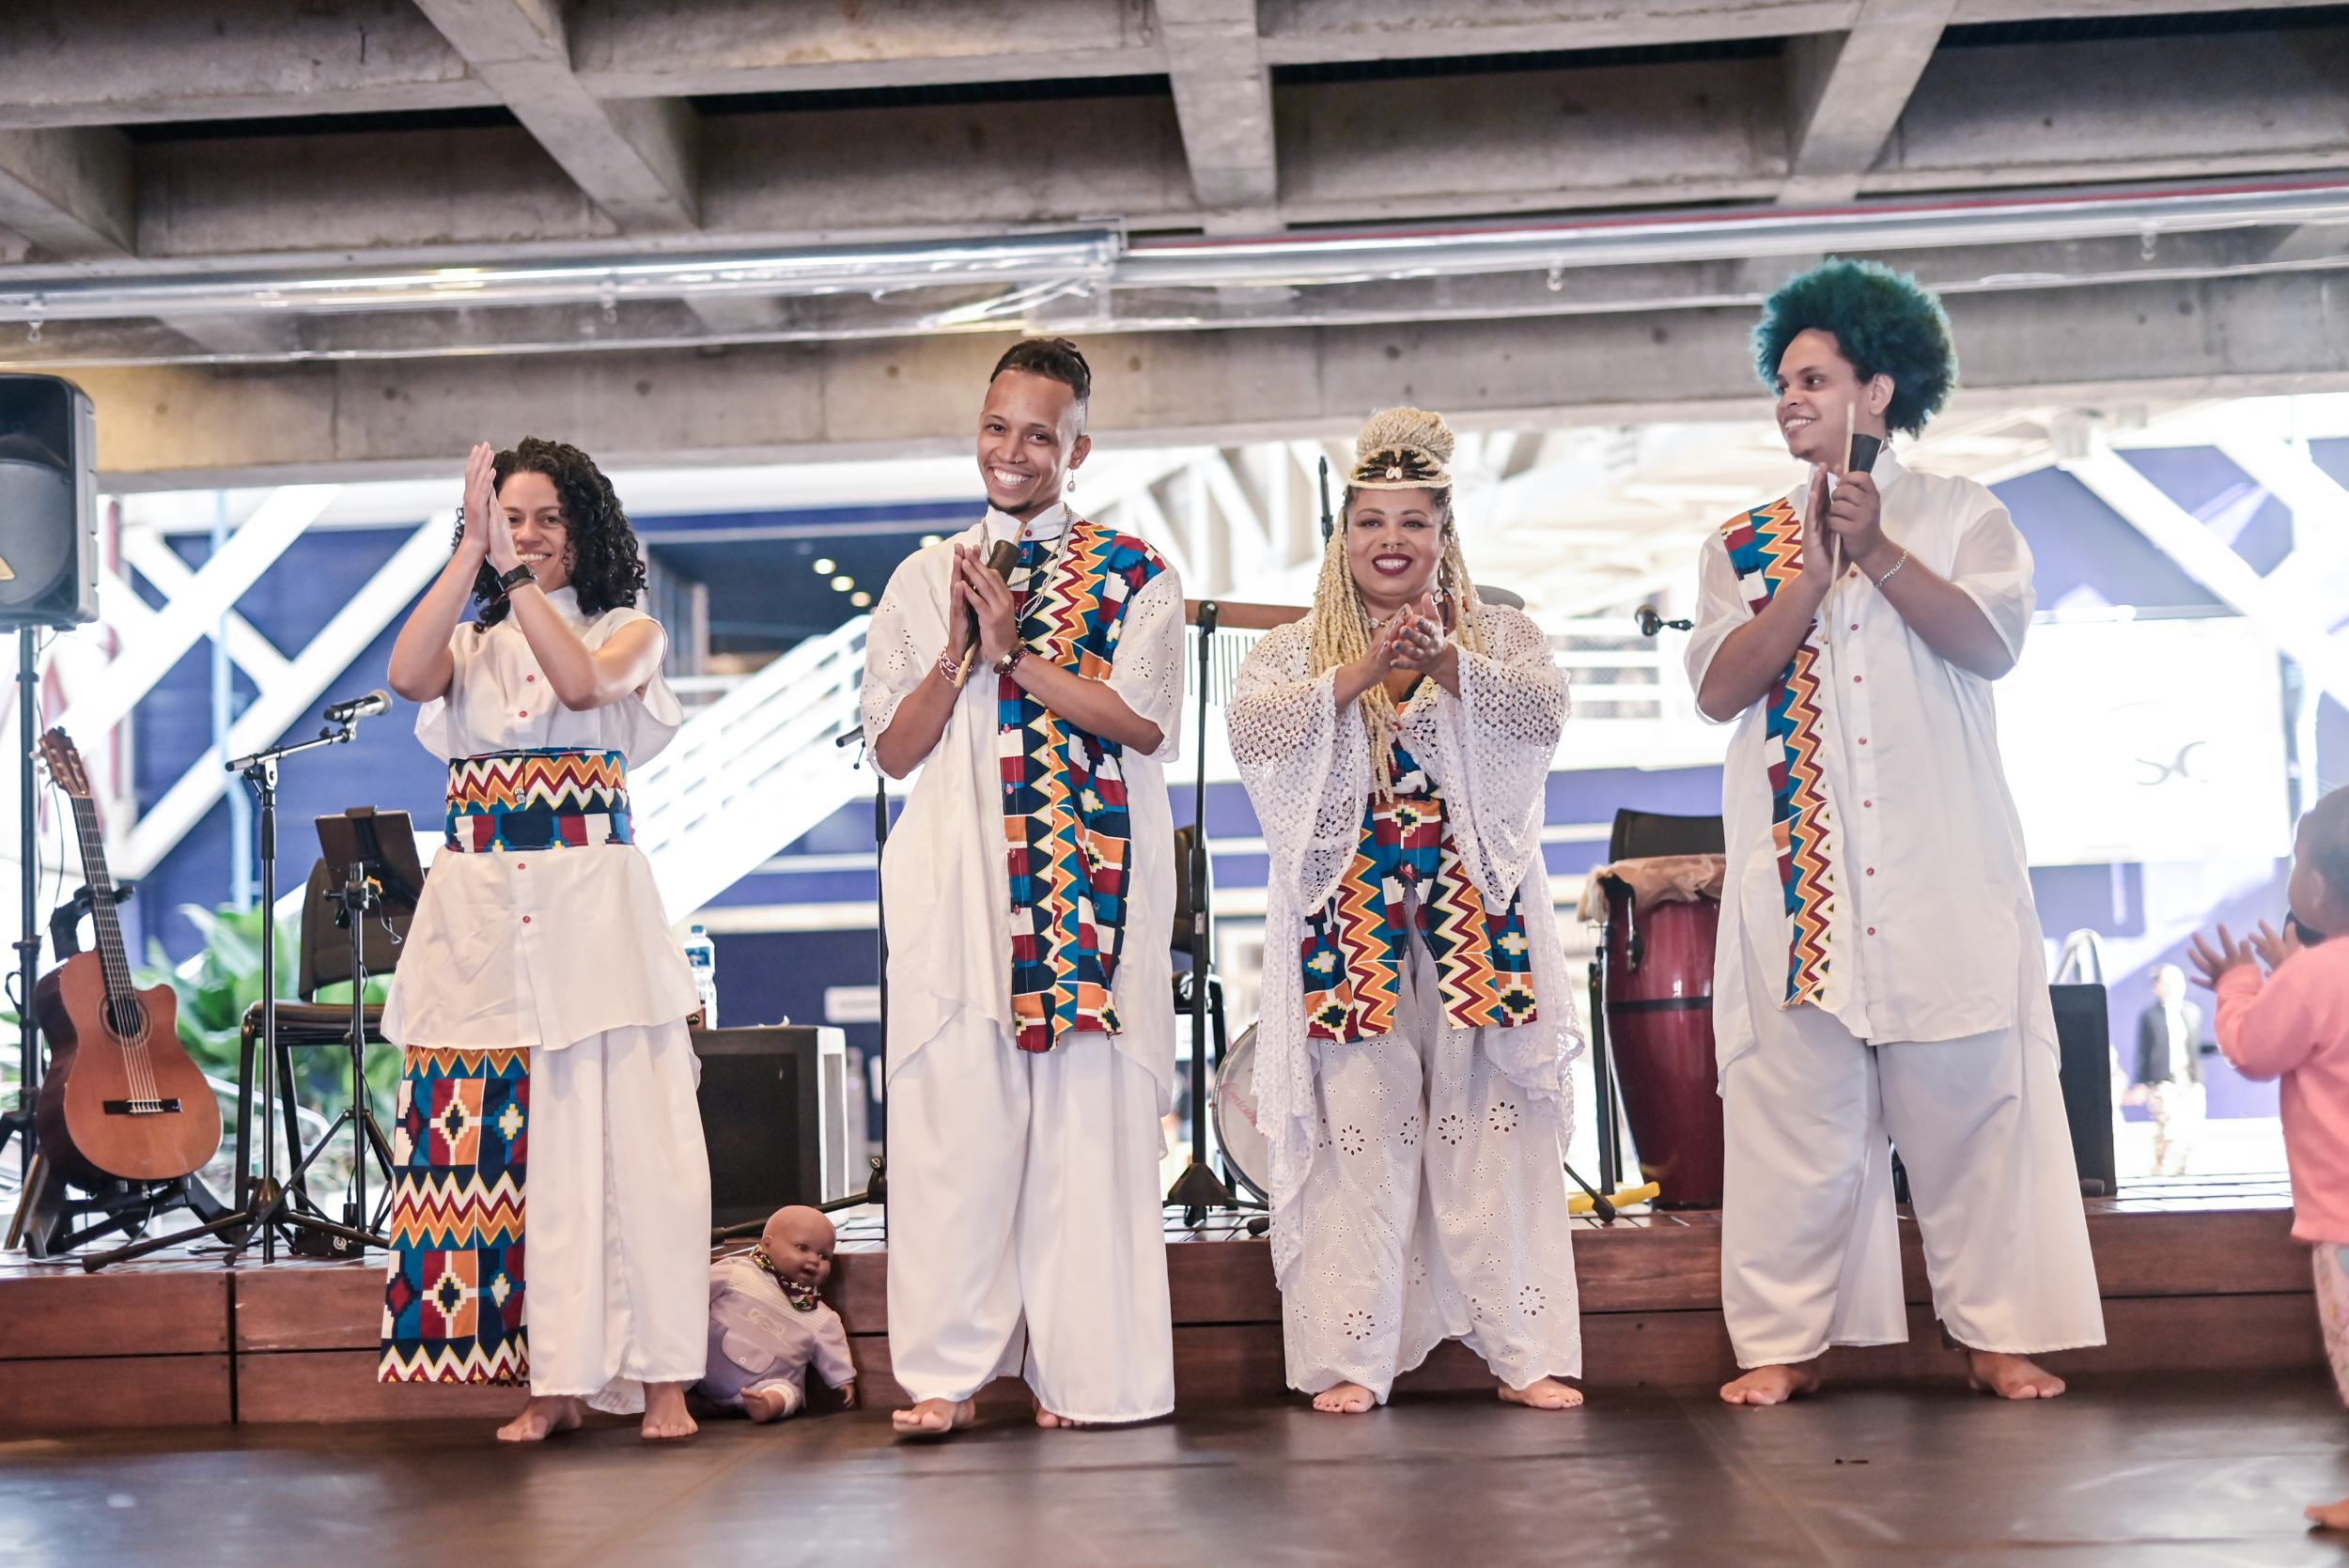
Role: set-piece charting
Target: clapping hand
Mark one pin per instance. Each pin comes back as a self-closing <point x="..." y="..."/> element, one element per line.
<point x="2273" y="949"/>
<point x="1417" y="640"/>
<point x="2230" y="954"/>
<point x="481" y="500"/>
<point x="978" y="588"/>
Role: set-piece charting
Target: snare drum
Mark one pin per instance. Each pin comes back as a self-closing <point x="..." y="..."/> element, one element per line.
<point x="1246" y="1151"/>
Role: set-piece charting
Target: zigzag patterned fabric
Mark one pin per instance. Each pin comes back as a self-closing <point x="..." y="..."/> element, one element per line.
<point x="1065" y="829"/>
<point x="1766" y="551"/>
<point x="545" y="799"/>
<point x="453" y="1295"/>
<point x="1355" y="947"/>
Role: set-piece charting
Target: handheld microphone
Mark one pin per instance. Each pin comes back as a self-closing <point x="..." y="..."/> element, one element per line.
<point x="360" y="707"/>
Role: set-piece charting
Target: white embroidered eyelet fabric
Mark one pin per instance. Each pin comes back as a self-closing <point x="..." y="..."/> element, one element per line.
<point x="1307" y="769"/>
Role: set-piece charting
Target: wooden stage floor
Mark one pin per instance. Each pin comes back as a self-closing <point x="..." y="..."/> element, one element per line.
<point x="2197" y="1275"/>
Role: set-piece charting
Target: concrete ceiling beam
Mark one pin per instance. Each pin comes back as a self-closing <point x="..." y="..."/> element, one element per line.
<point x="636" y="159"/>
<point x="1224" y="101"/>
<point x="1845" y="92"/>
<point x="179" y="426"/>
<point x="130" y="62"/>
<point x="121" y="62"/>
<point x="69" y="192"/>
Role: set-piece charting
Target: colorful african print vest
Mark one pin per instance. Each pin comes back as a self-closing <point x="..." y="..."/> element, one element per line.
<point x="1355" y="946"/>
<point x="1765" y="551"/>
<point x="1065" y="829"/>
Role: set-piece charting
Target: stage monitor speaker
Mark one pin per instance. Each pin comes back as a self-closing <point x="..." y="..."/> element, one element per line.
<point x="2084" y="1032"/>
<point x="774" y="1105"/>
<point x="48" y="502"/>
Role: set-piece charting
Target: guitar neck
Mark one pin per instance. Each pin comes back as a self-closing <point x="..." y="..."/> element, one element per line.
<point x="110" y="950"/>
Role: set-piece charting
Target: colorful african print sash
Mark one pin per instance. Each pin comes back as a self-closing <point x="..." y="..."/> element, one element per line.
<point x="453" y="1296"/>
<point x="1355" y="947"/>
<point x="545" y="799"/>
<point x="1765" y="551"/>
<point x="1063" y="790"/>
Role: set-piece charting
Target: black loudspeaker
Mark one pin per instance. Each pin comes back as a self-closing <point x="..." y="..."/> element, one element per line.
<point x="48" y="502"/>
<point x="772" y="1103"/>
<point x="2084" y="1031"/>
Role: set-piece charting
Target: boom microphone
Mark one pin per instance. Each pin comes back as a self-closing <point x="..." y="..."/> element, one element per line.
<point x="375" y="702"/>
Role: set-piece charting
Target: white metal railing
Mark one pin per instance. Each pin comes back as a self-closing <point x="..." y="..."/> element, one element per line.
<point x="753" y="771"/>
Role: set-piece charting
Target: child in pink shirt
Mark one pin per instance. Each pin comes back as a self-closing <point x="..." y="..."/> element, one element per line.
<point x="2294" y="1024"/>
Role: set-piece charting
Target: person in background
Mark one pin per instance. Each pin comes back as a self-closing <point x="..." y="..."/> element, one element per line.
<point x="2170" y="1071"/>
<point x="2293" y="1023"/>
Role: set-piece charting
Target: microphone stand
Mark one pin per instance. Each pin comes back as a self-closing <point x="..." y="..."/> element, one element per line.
<point x="263" y="1205"/>
<point x="1197" y="1188"/>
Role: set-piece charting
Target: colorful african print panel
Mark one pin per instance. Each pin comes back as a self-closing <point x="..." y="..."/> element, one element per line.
<point x="1765" y="551"/>
<point x="1065" y="829"/>
<point x="1355" y="946"/>
<point x="453" y="1296"/>
<point x="546" y="798"/>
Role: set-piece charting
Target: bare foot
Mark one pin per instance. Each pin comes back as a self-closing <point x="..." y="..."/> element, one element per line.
<point x="2329" y="1515"/>
<point x="766" y="1404"/>
<point x="1774" y="1385"/>
<point x="1543" y="1394"/>
<point x="934" y="1417"/>
<point x="544" y="1415"/>
<point x="1346" y="1399"/>
<point x="1994" y="1371"/>
<point x="665" y="1416"/>
<point x="1044" y="1418"/>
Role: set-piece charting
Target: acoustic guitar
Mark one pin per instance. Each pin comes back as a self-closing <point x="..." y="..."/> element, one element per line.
<point x="122" y="1099"/>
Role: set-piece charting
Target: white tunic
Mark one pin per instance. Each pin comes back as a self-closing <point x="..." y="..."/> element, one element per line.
<point x="944" y="876"/>
<point x="1932" y="894"/>
<point x="537" y="948"/>
<point x="1307" y="768"/>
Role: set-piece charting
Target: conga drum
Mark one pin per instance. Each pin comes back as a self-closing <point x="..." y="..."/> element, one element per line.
<point x="1659" y="1020"/>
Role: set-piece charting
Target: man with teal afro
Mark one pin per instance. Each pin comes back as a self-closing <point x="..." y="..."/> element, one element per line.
<point x="1879" y="980"/>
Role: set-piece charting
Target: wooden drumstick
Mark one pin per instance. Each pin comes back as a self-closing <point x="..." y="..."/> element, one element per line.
<point x="1001" y="557"/>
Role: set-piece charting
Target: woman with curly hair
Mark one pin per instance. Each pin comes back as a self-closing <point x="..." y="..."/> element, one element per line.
<point x="1416" y="1024"/>
<point x="1879" y="972"/>
<point x="541" y="1002"/>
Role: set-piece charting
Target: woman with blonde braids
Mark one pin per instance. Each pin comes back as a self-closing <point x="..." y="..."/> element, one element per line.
<point x="1416" y="1025"/>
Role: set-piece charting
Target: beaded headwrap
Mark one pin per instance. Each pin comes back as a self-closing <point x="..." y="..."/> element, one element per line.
<point x="1400" y="449"/>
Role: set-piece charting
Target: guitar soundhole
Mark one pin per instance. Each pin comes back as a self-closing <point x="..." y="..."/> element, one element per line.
<point x="126" y="1018"/>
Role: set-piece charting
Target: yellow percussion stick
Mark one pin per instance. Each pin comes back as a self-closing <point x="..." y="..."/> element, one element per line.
<point x="1578" y="1203"/>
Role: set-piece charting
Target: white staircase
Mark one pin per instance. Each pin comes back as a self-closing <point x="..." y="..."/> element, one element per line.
<point x="753" y="771"/>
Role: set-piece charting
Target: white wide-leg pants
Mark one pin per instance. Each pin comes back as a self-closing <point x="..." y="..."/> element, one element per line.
<point x="616" y="1218"/>
<point x="1026" y="1229"/>
<point x="1435" y="1209"/>
<point x="1809" y="1240"/>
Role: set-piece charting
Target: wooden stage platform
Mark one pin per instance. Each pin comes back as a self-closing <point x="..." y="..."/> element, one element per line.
<point x="2200" y="1275"/>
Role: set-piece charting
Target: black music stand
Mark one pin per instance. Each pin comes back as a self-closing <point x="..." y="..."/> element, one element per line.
<point x="1198" y="1189"/>
<point x="370" y="869"/>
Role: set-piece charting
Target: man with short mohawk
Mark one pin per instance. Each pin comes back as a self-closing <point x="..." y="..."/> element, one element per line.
<point x="1030" y="887"/>
<point x="1880" y="971"/>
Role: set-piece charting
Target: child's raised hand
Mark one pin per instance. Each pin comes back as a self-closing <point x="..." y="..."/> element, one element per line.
<point x="2273" y="949"/>
<point x="2214" y="962"/>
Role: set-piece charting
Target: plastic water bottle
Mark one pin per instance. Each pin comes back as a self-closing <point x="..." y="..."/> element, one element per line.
<point x="702" y="954"/>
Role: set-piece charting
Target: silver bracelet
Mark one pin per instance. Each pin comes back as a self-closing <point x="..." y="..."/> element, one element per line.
<point x="1896" y="566"/>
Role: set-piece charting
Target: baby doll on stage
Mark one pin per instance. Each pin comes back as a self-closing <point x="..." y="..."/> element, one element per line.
<point x="2294" y="1024"/>
<point x="767" y="1323"/>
